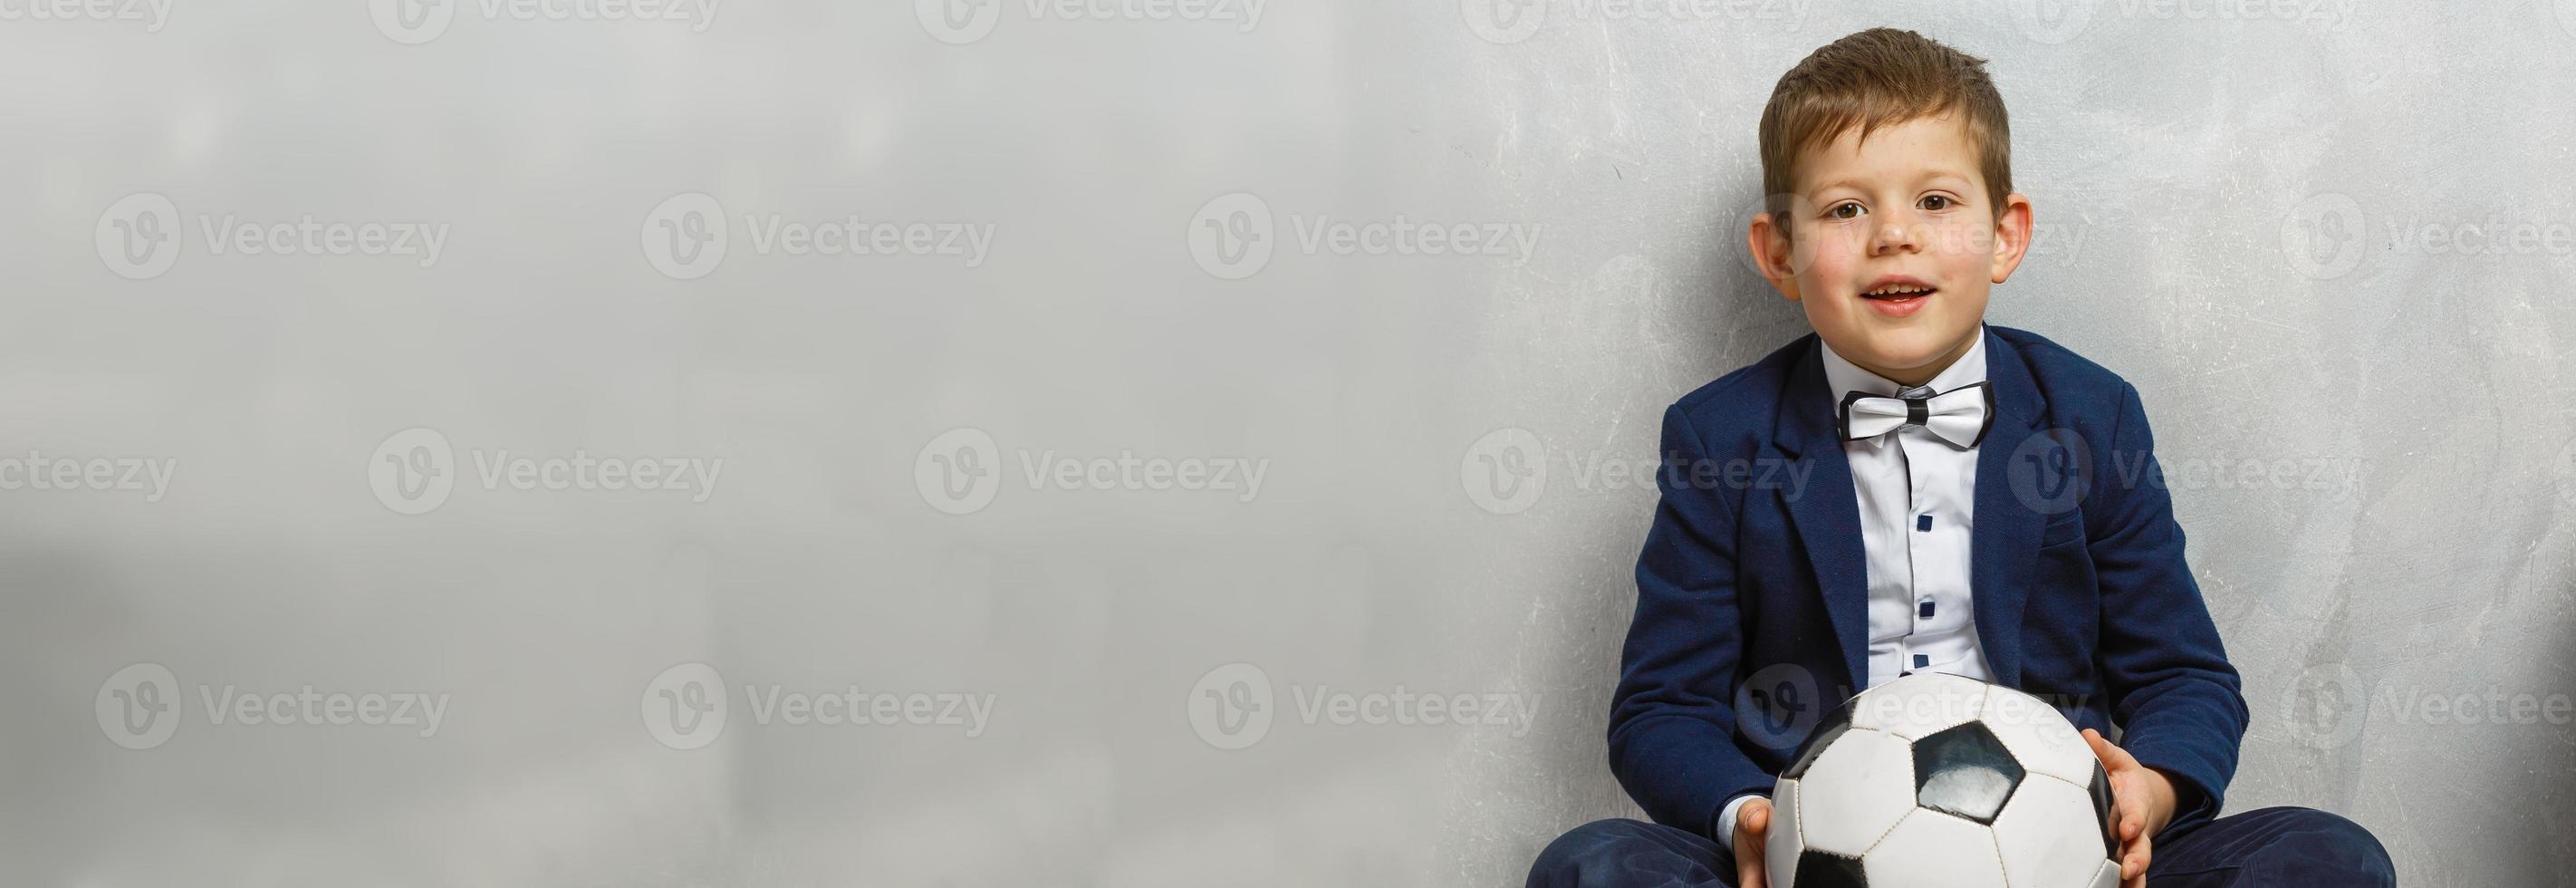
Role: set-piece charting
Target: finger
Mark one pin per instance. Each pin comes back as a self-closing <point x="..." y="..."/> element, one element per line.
<point x="2135" y="864"/>
<point x="1752" y="832"/>
<point x="2112" y="756"/>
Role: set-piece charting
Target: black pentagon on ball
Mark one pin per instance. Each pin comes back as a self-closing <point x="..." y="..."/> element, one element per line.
<point x="1965" y="771"/>
<point x="1817" y="869"/>
<point x="2101" y="790"/>
<point x="1832" y="725"/>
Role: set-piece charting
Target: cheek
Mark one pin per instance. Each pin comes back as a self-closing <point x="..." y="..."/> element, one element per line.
<point x="1831" y="263"/>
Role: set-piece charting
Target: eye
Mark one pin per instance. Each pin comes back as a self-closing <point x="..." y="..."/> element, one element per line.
<point x="1844" y="210"/>
<point x="1936" y="202"/>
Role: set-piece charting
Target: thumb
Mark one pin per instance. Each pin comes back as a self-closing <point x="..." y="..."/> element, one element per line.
<point x="1755" y="819"/>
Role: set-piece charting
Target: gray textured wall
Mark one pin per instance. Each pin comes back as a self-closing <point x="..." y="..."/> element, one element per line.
<point x="2330" y="240"/>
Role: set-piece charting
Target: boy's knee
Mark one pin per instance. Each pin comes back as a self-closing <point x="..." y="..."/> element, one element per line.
<point x="1617" y="852"/>
<point x="2315" y="843"/>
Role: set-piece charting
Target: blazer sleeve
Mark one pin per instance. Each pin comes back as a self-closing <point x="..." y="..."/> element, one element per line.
<point x="2180" y="704"/>
<point x="1672" y="718"/>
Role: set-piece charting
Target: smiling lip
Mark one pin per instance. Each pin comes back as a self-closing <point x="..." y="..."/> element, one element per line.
<point x="1902" y="304"/>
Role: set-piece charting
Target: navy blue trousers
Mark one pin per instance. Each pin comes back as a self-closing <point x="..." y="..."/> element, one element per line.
<point x="2269" y="848"/>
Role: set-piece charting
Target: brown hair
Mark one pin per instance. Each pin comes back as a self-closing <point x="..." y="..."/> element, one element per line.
<point x="1874" y="78"/>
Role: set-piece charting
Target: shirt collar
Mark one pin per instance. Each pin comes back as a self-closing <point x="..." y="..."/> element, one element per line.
<point x="1842" y="376"/>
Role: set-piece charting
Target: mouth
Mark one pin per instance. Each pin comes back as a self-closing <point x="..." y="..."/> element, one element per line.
<point x="1898" y="295"/>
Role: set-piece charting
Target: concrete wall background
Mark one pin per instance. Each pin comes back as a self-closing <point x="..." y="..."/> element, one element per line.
<point x="2275" y="221"/>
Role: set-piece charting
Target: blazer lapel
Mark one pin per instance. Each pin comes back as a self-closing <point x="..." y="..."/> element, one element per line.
<point x="1827" y="514"/>
<point x="2007" y="529"/>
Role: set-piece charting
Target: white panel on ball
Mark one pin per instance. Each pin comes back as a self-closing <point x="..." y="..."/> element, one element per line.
<point x="1780" y="856"/>
<point x="1930" y="849"/>
<point x="1857" y="790"/>
<point x="1919" y="705"/>
<point x="2048" y="835"/>
<point x="2038" y="735"/>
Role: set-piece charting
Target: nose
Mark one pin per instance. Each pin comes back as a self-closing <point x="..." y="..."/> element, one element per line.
<point x="1897" y="231"/>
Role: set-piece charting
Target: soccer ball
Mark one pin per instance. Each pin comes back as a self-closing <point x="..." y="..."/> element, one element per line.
<point x="1935" y="781"/>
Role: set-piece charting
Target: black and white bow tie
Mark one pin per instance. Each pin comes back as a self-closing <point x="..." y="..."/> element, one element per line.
<point x="1959" y="416"/>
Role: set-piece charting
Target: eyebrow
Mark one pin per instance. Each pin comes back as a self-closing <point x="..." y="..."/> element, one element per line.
<point x="1933" y="176"/>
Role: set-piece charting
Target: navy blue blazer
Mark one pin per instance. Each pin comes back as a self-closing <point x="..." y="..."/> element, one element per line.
<point x="1752" y="598"/>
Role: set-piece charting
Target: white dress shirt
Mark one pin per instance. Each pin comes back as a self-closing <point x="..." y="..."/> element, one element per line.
<point x="1917" y="496"/>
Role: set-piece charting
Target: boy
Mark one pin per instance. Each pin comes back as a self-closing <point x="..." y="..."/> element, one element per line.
<point x="1964" y="515"/>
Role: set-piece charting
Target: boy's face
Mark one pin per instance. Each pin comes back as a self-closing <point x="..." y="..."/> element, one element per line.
<point x="1891" y="244"/>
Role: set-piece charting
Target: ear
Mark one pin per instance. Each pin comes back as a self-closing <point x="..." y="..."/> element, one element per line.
<point x="1772" y="252"/>
<point x="2012" y="236"/>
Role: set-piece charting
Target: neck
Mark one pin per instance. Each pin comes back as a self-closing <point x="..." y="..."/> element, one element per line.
<point x="1923" y="374"/>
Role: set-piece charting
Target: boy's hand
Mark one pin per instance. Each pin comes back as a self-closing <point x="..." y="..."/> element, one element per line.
<point x="2142" y="802"/>
<point x="1752" y="829"/>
